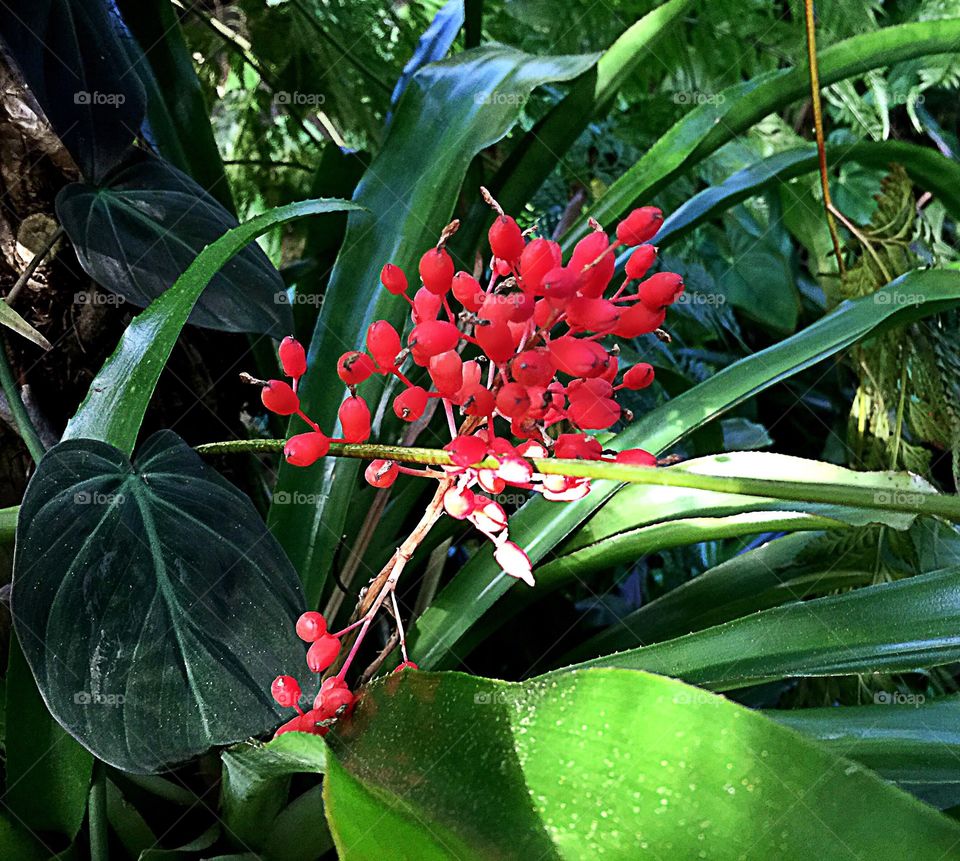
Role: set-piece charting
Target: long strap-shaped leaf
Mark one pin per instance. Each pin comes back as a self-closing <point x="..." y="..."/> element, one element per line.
<point x="893" y="627"/>
<point x="706" y="128"/>
<point x="540" y="525"/>
<point x="115" y="405"/>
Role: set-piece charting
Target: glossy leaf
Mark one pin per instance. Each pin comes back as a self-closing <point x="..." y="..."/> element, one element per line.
<point x="138" y="234"/>
<point x="540" y="526"/>
<point x="115" y="405"/>
<point x="710" y="125"/>
<point x="448" y="765"/>
<point x="69" y="55"/>
<point x="468" y="102"/>
<point x="892" y="627"/>
<point x="149" y="645"/>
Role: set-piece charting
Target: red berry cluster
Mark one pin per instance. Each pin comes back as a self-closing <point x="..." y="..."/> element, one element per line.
<point x="532" y="338"/>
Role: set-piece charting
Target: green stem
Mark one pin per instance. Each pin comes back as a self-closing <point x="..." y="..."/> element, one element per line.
<point x="892" y="499"/>
<point x="24" y="425"/>
<point x="8" y="524"/>
<point x="97" y="815"/>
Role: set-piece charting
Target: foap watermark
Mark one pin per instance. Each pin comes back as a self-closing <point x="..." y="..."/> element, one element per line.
<point x="515" y="99"/>
<point x="896" y="698"/>
<point x="86" y="97"/>
<point x="285" y="497"/>
<point x="284" y="298"/>
<point x="298" y="98"/>
<point x="498" y="698"/>
<point x="695" y="697"/>
<point x="698" y="97"/>
<point x="86" y="698"/>
<point x="695" y="297"/>
<point x="898" y="497"/>
<point x="97" y="497"/>
<point x="888" y="297"/>
<point x="510" y="500"/>
<point x="90" y="297"/>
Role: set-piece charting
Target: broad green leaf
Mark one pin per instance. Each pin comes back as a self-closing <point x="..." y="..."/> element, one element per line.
<point x="929" y="168"/>
<point x="47" y="772"/>
<point x="17" y="843"/>
<point x="136" y="235"/>
<point x="152" y="605"/>
<point x="127" y="823"/>
<point x="300" y="831"/>
<point x="15" y="323"/>
<point x="468" y="103"/>
<point x="892" y="627"/>
<point x="599" y="764"/>
<point x="902" y="736"/>
<point x="115" y="405"/>
<point x="70" y="57"/>
<point x="540" y="526"/>
<point x="710" y="125"/>
<point x="256" y="781"/>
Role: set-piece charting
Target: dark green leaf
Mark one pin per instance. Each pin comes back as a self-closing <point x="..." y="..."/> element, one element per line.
<point x="599" y="764"/>
<point x="118" y="397"/>
<point x="149" y="645"/>
<point x="138" y="234"/>
<point x="69" y="54"/>
<point x="468" y="103"/>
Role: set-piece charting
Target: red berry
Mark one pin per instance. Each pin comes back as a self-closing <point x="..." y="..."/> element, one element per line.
<point x="532" y="367"/>
<point x="538" y="258"/>
<point x="446" y="371"/>
<point x="478" y="401"/>
<point x="638" y="320"/>
<point x="577" y="446"/>
<point x="610" y="374"/>
<point x="521" y="306"/>
<point x="355" y="367"/>
<point x="576" y="357"/>
<point x="311" y="626"/>
<point x="280" y="398"/>
<point x="354" y="415"/>
<point x="431" y="338"/>
<point x="426" y="306"/>
<point x="381" y="473"/>
<point x="406" y="665"/>
<point x="640" y="225"/>
<point x="286" y="691"/>
<point x="559" y="284"/>
<point x="305" y="449"/>
<point x="513" y="400"/>
<point x="459" y="502"/>
<point x="410" y="403"/>
<point x="594" y="270"/>
<point x="639" y="376"/>
<point x="323" y="653"/>
<point x="636" y="457"/>
<point x="543" y="314"/>
<point x="393" y="279"/>
<point x="506" y="239"/>
<point x="592" y="315"/>
<point x="589" y="389"/>
<point x="436" y="271"/>
<point x="496" y="341"/>
<point x="592" y="413"/>
<point x="468" y="291"/>
<point x="383" y="342"/>
<point x="467" y="450"/>
<point x="293" y="358"/>
<point x="334" y="695"/>
<point x="660" y="290"/>
<point x="639" y="263"/>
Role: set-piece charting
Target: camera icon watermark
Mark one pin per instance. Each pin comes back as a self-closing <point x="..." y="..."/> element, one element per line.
<point x="898" y="497"/>
<point x="86" y="698"/>
<point x="695" y="697"/>
<point x="888" y="297"/>
<point x="91" y="297"/>
<point x="514" y="99"/>
<point x="281" y="297"/>
<point x="285" y="497"/>
<point x="697" y="98"/>
<point x="96" y="98"/>
<point x="695" y="297"/>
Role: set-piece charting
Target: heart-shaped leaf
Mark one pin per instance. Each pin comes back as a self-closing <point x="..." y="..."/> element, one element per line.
<point x="136" y="235"/>
<point x="69" y="55"/>
<point x="152" y="604"/>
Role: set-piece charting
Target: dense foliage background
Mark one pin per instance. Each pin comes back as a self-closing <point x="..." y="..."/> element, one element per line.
<point x="763" y="645"/>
